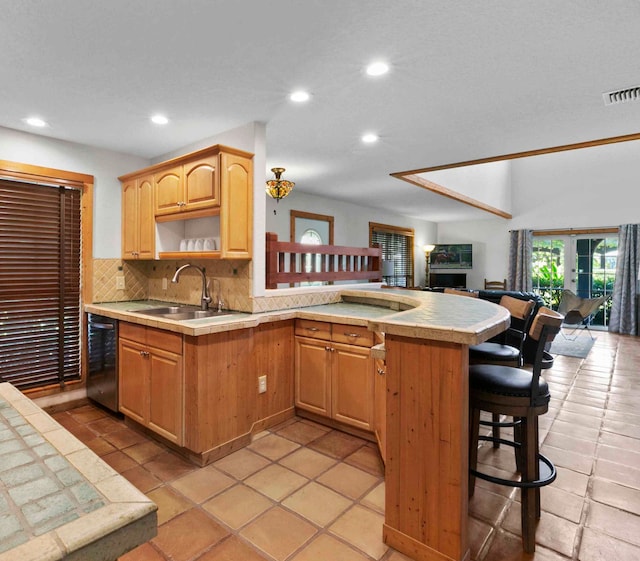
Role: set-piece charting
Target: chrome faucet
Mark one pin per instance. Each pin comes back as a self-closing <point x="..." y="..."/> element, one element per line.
<point x="220" y="302"/>
<point x="205" y="299"/>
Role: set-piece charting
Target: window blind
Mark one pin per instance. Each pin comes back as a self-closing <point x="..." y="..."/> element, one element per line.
<point x="40" y="301"/>
<point x="397" y="247"/>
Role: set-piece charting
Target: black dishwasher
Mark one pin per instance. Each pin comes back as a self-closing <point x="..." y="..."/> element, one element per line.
<point x="102" y="381"/>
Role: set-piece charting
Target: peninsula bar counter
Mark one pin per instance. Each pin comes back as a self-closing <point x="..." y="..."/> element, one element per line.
<point x="426" y="351"/>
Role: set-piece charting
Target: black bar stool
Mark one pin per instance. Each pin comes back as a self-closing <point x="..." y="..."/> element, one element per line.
<point x="524" y="395"/>
<point x="507" y="351"/>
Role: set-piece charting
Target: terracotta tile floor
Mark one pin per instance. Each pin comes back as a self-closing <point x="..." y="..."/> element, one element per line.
<point x="303" y="492"/>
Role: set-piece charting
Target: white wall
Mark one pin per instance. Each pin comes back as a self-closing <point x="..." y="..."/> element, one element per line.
<point x="588" y="188"/>
<point x="488" y="183"/>
<point x="490" y="240"/>
<point x="592" y="187"/>
<point x="104" y="165"/>
<point x="351" y="223"/>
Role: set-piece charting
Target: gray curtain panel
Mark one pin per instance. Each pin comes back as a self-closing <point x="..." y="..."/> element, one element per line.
<point x="623" y="317"/>
<point x="520" y="260"/>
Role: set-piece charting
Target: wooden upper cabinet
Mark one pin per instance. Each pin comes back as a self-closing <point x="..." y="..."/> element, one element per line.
<point x="169" y="191"/>
<point x="138" y="227"/>
<point x="213" y="182"/>
<point x="201" y="183"/>
<point x="192" y="186"/>
<point x="236" y="213"/>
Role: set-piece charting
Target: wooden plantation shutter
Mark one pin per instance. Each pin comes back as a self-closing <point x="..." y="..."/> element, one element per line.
<point x="40" y="301"/>
<point x="397" y="246"/>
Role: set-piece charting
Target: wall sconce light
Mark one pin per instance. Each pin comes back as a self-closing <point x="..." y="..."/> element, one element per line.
<point x="428" y="248"/>
<point x="278" y="188"/>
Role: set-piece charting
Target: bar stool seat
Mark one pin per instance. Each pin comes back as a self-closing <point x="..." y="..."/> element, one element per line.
<point x="490" y="352"/>
<point x="524" y="395"/>
<point x="509" y="382"/>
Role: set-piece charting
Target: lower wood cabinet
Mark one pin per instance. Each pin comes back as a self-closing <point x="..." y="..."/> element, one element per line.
<point x="151" y="386"/>
<point x="335" y="379"/>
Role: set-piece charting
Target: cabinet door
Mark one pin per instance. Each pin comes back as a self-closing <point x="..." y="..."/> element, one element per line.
<point x="146" y="223"/>
<point x="380" y="406"/>
<point x="133" y="373"/>
<point x="313" y="376"/>
<point x="201" y="183"/>
<point x="168" y="191"/>
<point x="130" y="228"/>
<point x="166" y="395"/>
<point x="236" y="211"/>
<point x="352" y="385"/>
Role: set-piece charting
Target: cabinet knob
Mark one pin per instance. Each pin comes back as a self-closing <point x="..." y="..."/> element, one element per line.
<point x="145" y="354"/>
<point x="329" y="349"/>
<point x="381" y="371"/>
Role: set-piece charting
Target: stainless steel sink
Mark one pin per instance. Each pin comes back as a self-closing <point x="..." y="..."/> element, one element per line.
<point x="181" y="312"/>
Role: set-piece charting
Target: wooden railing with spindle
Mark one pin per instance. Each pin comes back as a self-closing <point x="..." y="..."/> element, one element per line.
<point x="289" y="262"/>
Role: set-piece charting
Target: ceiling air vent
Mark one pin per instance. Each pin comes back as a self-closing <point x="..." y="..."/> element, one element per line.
<point x="622" y="96"/>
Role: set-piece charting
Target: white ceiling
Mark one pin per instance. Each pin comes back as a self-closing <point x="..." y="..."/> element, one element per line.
<point x="468" y="80"/>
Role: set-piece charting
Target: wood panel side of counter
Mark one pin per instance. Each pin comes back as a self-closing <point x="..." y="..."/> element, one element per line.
<point x="427" y="451"/>
<point x="222" y="404"/>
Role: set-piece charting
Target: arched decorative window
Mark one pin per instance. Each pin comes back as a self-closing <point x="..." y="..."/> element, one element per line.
<point x="311" y="237"/>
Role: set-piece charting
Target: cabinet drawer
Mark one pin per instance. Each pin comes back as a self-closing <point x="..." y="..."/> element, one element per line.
<point x="133" y="332"/>
<point x="352" y="335"/>
<point x="158" y="338"/>
<point x="315" y="329"/>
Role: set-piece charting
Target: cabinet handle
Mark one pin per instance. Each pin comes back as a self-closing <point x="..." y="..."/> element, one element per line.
<point x="312" y="329"/>
<point x="381" y="371"/>
<point x="352" y="334"/>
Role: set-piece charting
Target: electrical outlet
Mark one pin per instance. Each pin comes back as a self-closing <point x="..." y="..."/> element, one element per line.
<point x="120" y="282"/>
<point x="164" y="283"/>
<point x="262" y="384"/>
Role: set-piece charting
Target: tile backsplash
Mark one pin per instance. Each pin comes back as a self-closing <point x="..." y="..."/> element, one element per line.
<point x="228" y="279"/>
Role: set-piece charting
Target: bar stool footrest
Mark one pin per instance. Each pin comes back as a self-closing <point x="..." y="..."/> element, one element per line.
<point x="546" y="469"/>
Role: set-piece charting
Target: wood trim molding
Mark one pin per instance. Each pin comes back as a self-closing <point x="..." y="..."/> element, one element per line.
<point x="412" y="176"/>
<point x="293" y="214"/>
<point x="375" y="226"/>
<point x="441" y="190"/>
<point x="575" y="231"/>
<point x="28" y="172"/>
<point x="525" y="154"/>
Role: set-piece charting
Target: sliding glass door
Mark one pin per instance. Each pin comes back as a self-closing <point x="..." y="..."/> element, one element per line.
<point x="584" y="264"/>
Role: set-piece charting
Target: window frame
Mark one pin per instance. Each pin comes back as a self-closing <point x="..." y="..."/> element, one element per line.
<point x="16" y="171"/>
<point x="409" y="233"/>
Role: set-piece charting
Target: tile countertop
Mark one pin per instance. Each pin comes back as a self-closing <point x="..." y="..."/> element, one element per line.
<point x="58" y="500"/>
<point x="409" y="313"/>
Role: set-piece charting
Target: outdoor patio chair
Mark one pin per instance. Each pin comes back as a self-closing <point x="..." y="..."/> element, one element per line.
<point x="578" y="312"/>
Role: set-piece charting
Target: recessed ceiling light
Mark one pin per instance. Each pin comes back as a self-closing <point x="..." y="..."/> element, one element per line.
<point x="299" y="96"/>
<point x="159" y="119"/>
<point x="35" y="122"/>
<point x="377" y="68"/>
<point x="369" y="138"/>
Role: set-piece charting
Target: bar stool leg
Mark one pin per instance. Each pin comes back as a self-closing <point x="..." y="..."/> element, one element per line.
<point x="537" y="474"/>
<point x="517" y="437"/>
<point x="529" y="473"/>
<point x="495" y="418"/>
